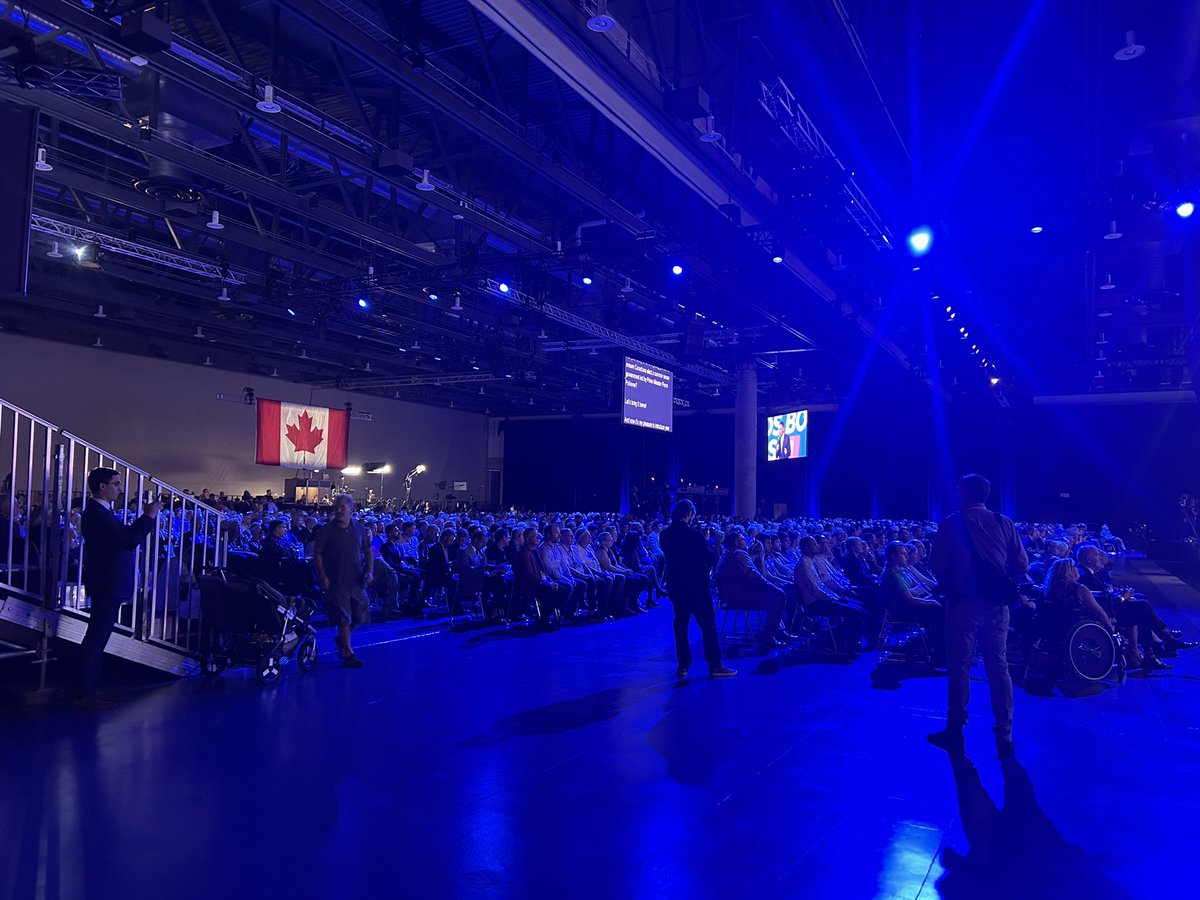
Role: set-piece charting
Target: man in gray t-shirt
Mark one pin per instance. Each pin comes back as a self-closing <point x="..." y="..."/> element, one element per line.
<point x="965" y="544"/>
<point x="345" y="563"/>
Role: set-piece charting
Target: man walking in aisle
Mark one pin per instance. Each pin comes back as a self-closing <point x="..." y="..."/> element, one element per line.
<point x="345" y="564"/>
<point x="689" y="566"/>
<point x="977" y="557"/>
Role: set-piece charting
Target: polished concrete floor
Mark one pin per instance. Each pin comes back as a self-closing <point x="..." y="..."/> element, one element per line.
<point x="496" y="764"/>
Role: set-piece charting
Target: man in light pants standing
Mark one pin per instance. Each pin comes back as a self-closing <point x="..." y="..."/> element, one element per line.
<point x="976" y="555"/>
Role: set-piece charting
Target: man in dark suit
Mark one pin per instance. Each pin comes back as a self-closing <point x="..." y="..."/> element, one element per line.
<point x="109" y="546"/>
<point x="689" y="564"/>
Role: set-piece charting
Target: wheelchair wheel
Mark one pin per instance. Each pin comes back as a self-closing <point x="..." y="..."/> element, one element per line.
<point x="1090" y="650"/>
<point x="306" y="653"/>
<point x="269" y="669"/>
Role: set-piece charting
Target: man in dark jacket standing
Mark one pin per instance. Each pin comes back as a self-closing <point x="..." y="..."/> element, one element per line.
<point x="973" y="552"/>
<point x="689" y="563"/>
<point x="109" y="546"/>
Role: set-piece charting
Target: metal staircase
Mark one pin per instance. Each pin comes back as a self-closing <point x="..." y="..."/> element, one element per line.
<point x="42" y="598"/>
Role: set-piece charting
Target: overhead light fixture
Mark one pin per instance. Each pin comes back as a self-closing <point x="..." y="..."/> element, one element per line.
<point x="1104" y="314"/>
<point x="994" y="380"/>
<point x="363" y="303"/>
<point x="601" y="21"/>
<point x="677" y="269"/>
<point x="100" y="313"/>
<point x="839" y="265"/>
<point x="224" y="295"/>
<point x="1131" y="50"/>
<point x="543" y="334"/>
<point x="352" y="470"/>
<point x="54" y="252"/>
<point x="267" y="104"/>
<point x="207" y="361"/>
<point x="290" y="311"/>
<point x="416" y="345"/>
<point x="710" y="134"/>
<point x="457" y="215"/>
<point x="199" y="332"/>
<point x="367" y="367"/>
<point x="98" y="342"/>
<point x="40" y="164"/>
<point x="138" y="60"/>
<point x="481" y="392"/>
<point x="587" y="273"/>
<point x="274" y="373"/>
<point x="920" y="240"/>
<point x="88" y="256"/>
<point x="425" y="184"/>
<point x="457" y="307"/>
<point x="1108" y="283"/>
<point x="418" y="61"/>
<point x="1185" y="209"/>
<point x="1113" y="234"/>
<point x="593" y="352"/>
<point x="628" y="288"/>
<point x="1036" y="229"/>
<point x="215" y="222"/>
<point x="304" y="353"/>
<point x="1102" y="340"/>
<point x="503" y="288"/>
<point x="531" y="401"/>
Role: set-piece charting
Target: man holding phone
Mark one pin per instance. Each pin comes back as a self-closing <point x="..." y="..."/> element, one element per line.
<point x="109" y="548"/>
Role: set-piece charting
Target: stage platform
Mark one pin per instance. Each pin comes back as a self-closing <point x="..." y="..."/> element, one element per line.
<point x="505" y="764"/>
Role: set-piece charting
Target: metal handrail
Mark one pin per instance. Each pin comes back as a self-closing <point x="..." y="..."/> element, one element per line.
<point x="42" y="550"/>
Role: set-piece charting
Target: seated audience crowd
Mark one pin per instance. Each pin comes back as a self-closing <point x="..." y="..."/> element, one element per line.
<point x="839" y="577"/>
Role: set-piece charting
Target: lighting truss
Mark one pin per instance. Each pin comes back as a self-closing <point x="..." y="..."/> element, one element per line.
<point x="153" y="255"/>
<point x="399" y="381"/>
<point x="88" y="83"/>
<point x="648" y="351"/>
<point x="780" y="104"/>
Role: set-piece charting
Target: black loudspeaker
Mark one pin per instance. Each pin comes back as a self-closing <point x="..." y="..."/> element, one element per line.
<point x="18" y="124"/>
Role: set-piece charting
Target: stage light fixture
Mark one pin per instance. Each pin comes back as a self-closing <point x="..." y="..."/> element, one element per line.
<point x="1112" y="233"/>
<point x="503" y="287"/>
<point x="433" y="296"/>
<point x="98" y="343"/>
<point x="41" y="165"/>
<point x="224" y="295"/>
<point x="425" y="184"/>
<point x="1185" y="209"/>
<point x="138" y="60"/>
<point x="1036" y="229"/>
<point x="215" y="222"/>
<point x="994" y="380"/>
<point x="274" y="373"/>
<point x="54" y="252"/>
<point x="87" y="256"/>
<point x="362" y="303"/>
<point x="199" y="332"/>
<point x="457" y="307"/>
<point x="628" y="288"/>
<point x="1108" y="283"/>
<point x="676" y="269"/>
<point x="290" y="311"/>
<point x="587" y="273"/>
<point x="267" y="104"/>
<point x="207" y="361"/>
<point x="920" y="240"/>
<point x="99" y="313"/>
<point x="710" y="134"/>
<point x="352" y="470"/>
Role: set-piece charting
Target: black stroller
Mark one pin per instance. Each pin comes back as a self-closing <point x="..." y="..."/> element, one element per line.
<point x="248" y="622"/>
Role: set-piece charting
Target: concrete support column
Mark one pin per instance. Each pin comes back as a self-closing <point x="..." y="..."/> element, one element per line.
<point x="745" y="442"/>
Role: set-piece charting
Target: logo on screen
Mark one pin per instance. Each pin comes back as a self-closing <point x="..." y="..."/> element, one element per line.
<point x="787" y="435"/>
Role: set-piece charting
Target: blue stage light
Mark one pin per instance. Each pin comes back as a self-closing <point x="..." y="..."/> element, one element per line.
<point x="1185" y="209"/>
<point x="503" y="288"/>
<point x="291" y="312"/>
<point x="433" y="296"/>
<point x="920" y="240"/>
<point x="677" y="269"/>
<point x="1036" y="229"/>
<point x="362" y="302"/>
<point x="777" y="259"/>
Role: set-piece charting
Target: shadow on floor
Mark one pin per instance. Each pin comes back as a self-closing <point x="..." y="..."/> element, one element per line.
<point x="1015" y="851"/>
<point x="579" y="712"/>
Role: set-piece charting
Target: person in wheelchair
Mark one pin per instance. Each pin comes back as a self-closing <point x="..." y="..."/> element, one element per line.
<point x="1065" y="600"/>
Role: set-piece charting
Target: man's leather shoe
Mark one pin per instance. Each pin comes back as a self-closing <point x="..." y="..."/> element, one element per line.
<point x="948" y="739"/>
<point x="1178" y="643"/>
<point x="681" y="673"/>
<point x="1153" y="663"/>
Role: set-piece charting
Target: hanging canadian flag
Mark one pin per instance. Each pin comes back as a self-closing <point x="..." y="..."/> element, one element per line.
<point x="300" y="436"/>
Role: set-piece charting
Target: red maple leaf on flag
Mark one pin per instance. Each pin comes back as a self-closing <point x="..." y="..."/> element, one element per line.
<point x="303" y="436"/>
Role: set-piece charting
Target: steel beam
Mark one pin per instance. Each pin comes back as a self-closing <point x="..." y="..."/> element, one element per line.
<point x="496" y="128"/>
